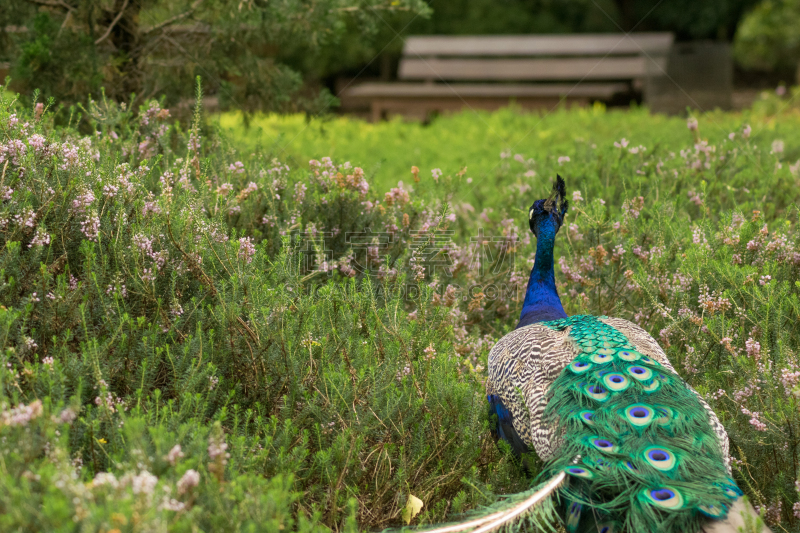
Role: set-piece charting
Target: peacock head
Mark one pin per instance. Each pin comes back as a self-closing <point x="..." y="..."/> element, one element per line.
<point x="550" y="211"/>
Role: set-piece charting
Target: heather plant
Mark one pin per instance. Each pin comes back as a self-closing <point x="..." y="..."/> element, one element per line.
<point x="202" y="335"/>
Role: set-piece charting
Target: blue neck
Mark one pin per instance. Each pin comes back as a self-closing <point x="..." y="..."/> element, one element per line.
<point x="541" y="299"/>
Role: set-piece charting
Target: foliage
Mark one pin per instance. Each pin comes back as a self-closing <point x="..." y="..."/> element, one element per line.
<point x="252" y="52"/>
<point x="167" y="287"/>
<point x="767" y="36"/>
<point x="712" y="19"/>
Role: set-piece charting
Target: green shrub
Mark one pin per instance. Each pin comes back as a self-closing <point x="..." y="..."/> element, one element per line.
<point x="165" y="286"/>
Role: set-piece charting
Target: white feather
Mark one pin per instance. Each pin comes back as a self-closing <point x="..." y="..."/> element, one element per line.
<point x="501" y="518"/>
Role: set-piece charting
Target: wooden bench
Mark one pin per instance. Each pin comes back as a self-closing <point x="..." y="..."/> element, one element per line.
<point x="448" y="73"/>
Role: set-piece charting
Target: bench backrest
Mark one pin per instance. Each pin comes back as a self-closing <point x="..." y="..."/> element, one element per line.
<point x="535" y="57"/>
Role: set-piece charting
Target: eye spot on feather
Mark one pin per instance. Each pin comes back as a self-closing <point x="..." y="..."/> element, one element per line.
<point x="628" y="355"/>
<point x="579" y="471"/>
<point x="587" y="417"/>
<point x="639" y="415"/>
<point x="639" y="373"/>
<point x="602" y="444"/>
<point x="664" y="497"/>
<point x="616" y="382"/>
<point x="661" y="459"/>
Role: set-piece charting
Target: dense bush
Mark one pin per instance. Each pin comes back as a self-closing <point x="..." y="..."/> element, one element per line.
<point x="195" y="335"/>
<point x="254" y="54"/>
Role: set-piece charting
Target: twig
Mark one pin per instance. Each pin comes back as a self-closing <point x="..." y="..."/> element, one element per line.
<point x="113" y="23"/>
<point x="53" y="3"/>
<point x="174" y="19"/>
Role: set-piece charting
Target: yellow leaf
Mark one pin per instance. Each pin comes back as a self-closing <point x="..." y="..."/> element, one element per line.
<point x="412" y="508"/>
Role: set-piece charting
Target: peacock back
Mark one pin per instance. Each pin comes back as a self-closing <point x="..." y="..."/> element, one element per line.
<point x="596" y="398"/>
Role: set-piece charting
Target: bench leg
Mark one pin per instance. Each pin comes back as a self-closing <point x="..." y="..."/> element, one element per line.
<point x="376" y="110"/>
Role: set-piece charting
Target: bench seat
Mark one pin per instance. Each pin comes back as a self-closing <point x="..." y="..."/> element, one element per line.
<point x="444" y="73"/>
<point x="416" y="100"/>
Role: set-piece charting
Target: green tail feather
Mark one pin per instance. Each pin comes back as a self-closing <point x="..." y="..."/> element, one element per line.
<point x="649" y="459"/>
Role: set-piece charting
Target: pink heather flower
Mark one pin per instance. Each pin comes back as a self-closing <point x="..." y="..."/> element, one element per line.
<point x="746" y="131"/>
<point x="91" y="227"/>
<point x="105" y="479"/>
<point x="82" y="202"/>
<point x="430" y="352"/>
<point x="41" y="238"/>
<point x="576" y="196"/>
<point x="637" y="149"/>
<point x="110" y="191"/>
<point x="151" y="207"/>
<point x="754" y="419"/>
<point x="753" y="348"/>
<point x="780" y="90"/>
<point x="731" y="136"/>
<point x="144" y="483"/>
<point x="397" y="195"/>
<point x="22" y="414"/>
<point x="251" y="188"/>
<point x="175" y="454"/>
<point x="188" y="481"/>
<point x="695" y="198"/>
<point x="563" y="159"/>
<point x="789" y="378"/>
<point x="764" y="280"/>
<point x="48" y="361"/>
<point x="143" y="243"/>
<point x="194" y="142"/>
<point x="171" y="504"/>
<point x="237" y="167"/>
<point x="777" y="146"/>
<point x="634" y="206"/>
<point x="574" y="232"/>
<point x="148" y="275"/>
<point x="436" y="173"/>
<point x="216" y="449"/>
<point x="622" y="143"/>
<point x="402" y="373"/>
<point x="300" y="192"/>
<point x="246" y="249"/>
<point x="692" y="124"/>
<point x="36" y="142"/>
<point x="224" y="189"/>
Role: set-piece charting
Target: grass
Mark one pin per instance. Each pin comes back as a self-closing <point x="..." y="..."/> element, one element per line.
<point x="201" y="330"/>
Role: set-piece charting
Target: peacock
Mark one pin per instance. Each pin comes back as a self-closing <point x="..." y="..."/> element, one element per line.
<point x="626" y="444"/>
